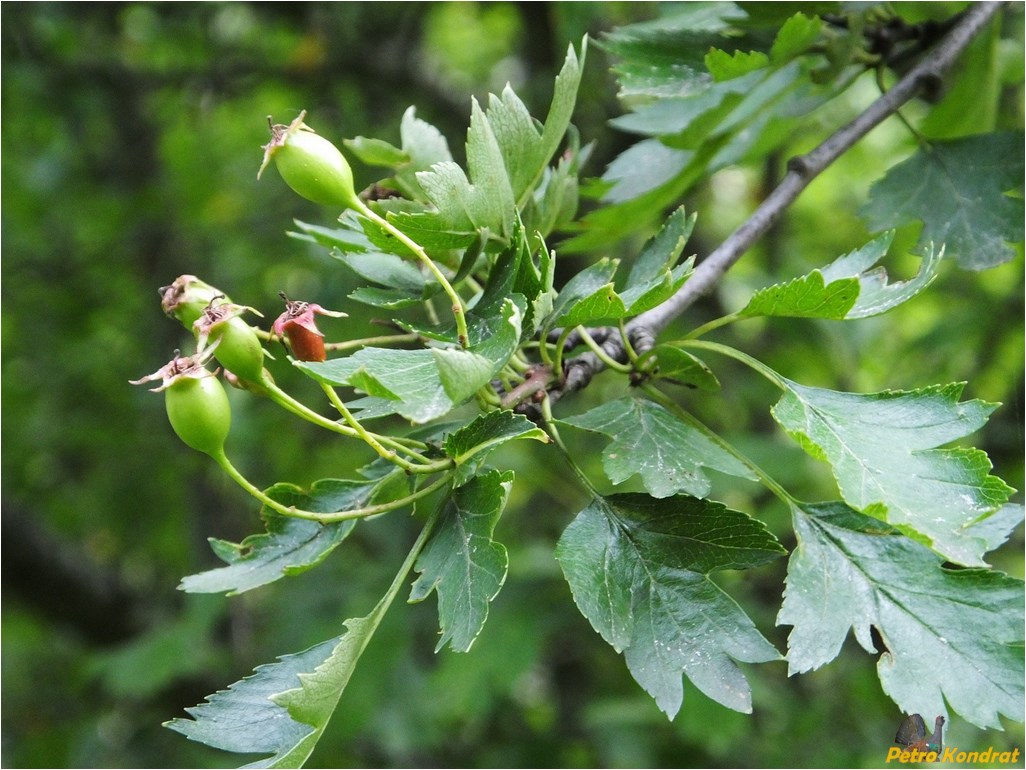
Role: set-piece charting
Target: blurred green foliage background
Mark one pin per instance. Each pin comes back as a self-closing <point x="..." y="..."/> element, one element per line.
<point x="131" y="139"/>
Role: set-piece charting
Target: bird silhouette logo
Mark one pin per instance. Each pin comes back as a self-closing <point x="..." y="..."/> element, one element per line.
<point x="912" y="733"/>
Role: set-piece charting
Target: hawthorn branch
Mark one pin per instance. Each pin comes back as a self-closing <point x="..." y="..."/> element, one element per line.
<point x="924" y="78"/>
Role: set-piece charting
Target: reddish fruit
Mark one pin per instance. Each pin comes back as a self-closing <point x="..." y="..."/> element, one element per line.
<point x="297" y="325"/>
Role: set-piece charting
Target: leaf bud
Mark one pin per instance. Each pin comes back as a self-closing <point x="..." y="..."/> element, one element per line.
<point x="196" y="403"/>
<point x="310" y="164"/>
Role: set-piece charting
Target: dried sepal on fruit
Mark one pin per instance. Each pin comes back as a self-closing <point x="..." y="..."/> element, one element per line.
<point x="239" y="349"/>
<point x="297" y="325"/>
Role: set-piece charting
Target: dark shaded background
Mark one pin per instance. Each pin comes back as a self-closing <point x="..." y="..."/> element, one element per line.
<point x="131" y="137"/>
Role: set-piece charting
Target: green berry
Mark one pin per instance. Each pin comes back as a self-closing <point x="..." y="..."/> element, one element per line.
<point x="196" y="403"/>
<point x="187" y="297"/>
<point x="235" y="343"/>
<point x="199" y="412"/>
<point x="310" y="164"/>
<point x="240" y="351"/>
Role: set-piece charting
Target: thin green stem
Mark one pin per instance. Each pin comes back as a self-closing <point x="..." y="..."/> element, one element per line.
<point x="610" y="362"/>
<point x="543" y="349"/>
<point x="417" y="249"/>
<point x="628" y="348"/>
<point x="385" y="339"/>
<point x="408" y="562"/>
<point x="324" y="518"/>
<point x="737" y="355"/>
<point x="302" y="410"/>
<point x="518" y="362"/>
<point x="423" y="465"/>
<point x="922" y="140"/>
<point x="557" y="362"/>
<point x="550" y="428"/>
<point x="487" y="397"/>
<point x="715" y="323"/>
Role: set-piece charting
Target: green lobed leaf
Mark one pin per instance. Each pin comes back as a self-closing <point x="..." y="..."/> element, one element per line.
<point x="951" y="636"/>
<point x="846" y="288"/>
<point x="590" y="297"/>
<point x="592" y="282"/>
<point x="957" y="189"/>
<point x="376" y="152"/>
<point x="662" y="251"/>
<point x="696" y="123"/>
<point x="876" y="295"/>
<point x="461" y="562"/>
<point x="459" y="209"/>
<point x="245" y="719"/>
<point x="343" y="238"/>
<point x="462" y="372"/>
<point x="648" y="440"/>
<point x="285" y="706"/>
<point x="636" y="568"/>
<point x="535" y="282"/>
<point x="410" y="378"/>
<point x="882" y="448"/>
<point x="795" y="37"/>
<point x="390" y="299"/>
<point x="422" y="146"/>
<point x="725" y="66"/>
<point x="506" y="155"/>
<point x="471" y="444"/>
<point x="290" y="545"/>
<point x="427" y="383"/>
<point x="809" y="296"/>
<point x="659" y="288"/>
<point x="665" y="56"/>
<point x="553" y="203"/>
<point x="525" y="150"/>
<point x="494" y="203"/>
<point x="642" y="168"/>
<point x="404" y="284"/>
<point x="602" y="306"/>
<point x="385" y="270"/>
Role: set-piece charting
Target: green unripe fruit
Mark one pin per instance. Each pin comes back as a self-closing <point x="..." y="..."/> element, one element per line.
<point x="187" y="297"/>
<point x="234" y="342"/>
<point x="311" y="165"/>
<point x="239" y="349"/>
<point x="199" y="412"/>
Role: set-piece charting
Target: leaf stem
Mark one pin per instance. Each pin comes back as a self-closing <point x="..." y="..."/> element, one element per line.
<point x="553" y="431"/>
<point x="385" y="339"/>
<point x="715" y="323"/>
<point x="598" y="351"/>
<point x="557" y="362"/>
<point x="457" y="303"/>
<point x="632" y="354"/>
<point x="299" y="409"/>
<point x="423" y="465"/>
<point x="737" y="355"/>
<point x="324" y="518"/>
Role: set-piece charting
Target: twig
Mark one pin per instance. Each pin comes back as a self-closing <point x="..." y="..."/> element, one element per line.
<point x="924" y="77"/>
